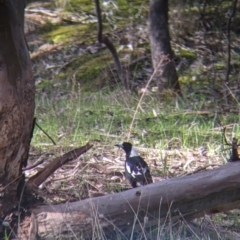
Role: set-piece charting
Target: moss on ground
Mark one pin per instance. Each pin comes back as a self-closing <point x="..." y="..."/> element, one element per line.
<point x="69" y="33"/>
<point x="80" y="5"/>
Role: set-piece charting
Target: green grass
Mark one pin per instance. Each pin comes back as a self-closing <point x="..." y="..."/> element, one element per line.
<point x="107" y="115"/>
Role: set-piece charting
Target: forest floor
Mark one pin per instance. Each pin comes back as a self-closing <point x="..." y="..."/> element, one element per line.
<point x="79" y="99"/>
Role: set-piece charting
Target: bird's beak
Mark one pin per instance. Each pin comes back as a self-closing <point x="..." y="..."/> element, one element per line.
<point x="118" y="145"/>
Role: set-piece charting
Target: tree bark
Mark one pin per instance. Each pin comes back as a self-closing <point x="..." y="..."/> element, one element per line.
<point x="186" y="197"/>
<point x="162" y="54"/>
<point x="16" y="103"/>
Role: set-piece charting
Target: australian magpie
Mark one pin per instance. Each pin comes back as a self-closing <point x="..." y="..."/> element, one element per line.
<point x="136" y="169"/>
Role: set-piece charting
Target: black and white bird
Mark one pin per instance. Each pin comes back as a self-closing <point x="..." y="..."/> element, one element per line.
<point x="136" y="169"/>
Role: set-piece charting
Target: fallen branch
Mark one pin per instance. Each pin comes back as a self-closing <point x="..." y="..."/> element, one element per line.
<point x="145" y="207"/>
<point x="50" y="168"/>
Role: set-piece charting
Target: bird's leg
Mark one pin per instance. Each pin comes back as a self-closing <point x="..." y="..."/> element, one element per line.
<point x="133" y="183"/>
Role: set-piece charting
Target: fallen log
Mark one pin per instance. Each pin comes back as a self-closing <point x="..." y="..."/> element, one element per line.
<point x="56" y="163"/>
<point x="185" y="197"/>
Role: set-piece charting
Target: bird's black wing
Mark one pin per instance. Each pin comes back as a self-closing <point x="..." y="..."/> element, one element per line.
<point x="139" y="170"/>
<point x="146" y="173"/>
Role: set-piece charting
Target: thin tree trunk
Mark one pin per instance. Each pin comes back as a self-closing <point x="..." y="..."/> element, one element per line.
<point x="16" y="103"/>
<point x="186" y="197"/>
<point x="162" y="54"/>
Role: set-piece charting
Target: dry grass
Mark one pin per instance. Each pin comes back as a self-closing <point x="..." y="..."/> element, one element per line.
<point x="101" y="170"/>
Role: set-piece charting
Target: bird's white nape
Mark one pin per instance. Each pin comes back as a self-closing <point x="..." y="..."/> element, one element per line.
<point x="134" y="153"/>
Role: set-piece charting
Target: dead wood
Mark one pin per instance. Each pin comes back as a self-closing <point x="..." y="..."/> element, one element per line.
<point x="44" y="173"/>
<point x="185" y="197"/>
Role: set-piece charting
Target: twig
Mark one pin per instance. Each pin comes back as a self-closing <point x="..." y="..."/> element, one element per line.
<point x="33" y="127"/>
<point x="11" y="182"/>
<point x="225" y="138"/>
<point x="34" y="165"/>
<point x="45" y="133"/>
<point x="140" y="100"/>
<point x="233" y="96"/>
<point x="234" y="144"/>
<point x="204" y="7"/>
<point x="108" y="43"/>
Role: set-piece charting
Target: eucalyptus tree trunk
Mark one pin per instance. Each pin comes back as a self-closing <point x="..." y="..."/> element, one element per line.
<point x="162" y="54"/>
<point x="16" y="103"/>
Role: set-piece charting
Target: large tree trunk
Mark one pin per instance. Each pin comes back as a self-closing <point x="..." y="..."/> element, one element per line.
<point x="183" y="197"/>
<point x="16" y="102"/>
<point x="162" y="54"/>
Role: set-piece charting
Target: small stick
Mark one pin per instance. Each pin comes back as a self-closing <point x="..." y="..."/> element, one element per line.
<point x="225" y="138"/>
<point x="34" y="165"/>
<point x="234" y="144"/>
<point x="45" y="133"/>
<point x="141" y="98"/>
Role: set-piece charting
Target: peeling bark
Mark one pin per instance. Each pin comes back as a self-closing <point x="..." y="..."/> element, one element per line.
<point x="16" y="102"/>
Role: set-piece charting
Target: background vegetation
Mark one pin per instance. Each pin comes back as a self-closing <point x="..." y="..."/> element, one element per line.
<point x="79" y="97"/>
